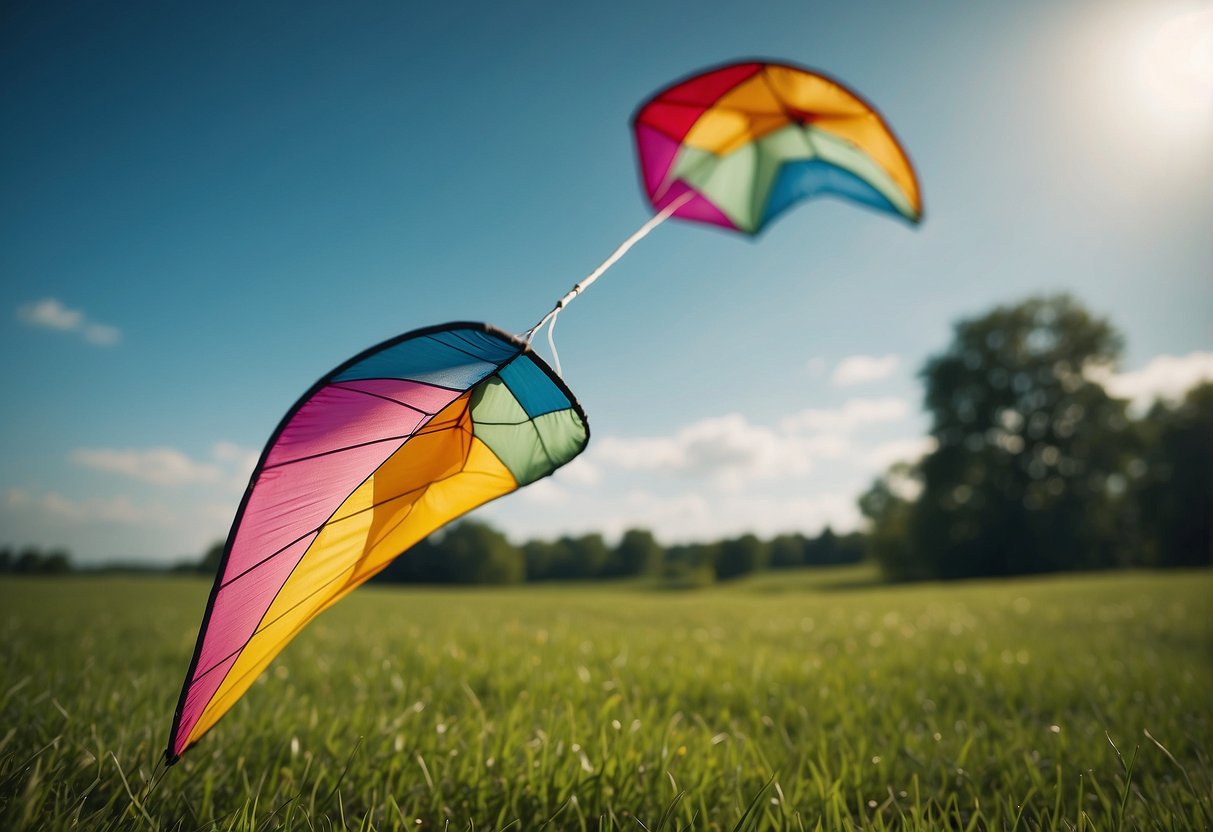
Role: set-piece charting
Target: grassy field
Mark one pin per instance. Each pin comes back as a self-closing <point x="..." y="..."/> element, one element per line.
<point x="815" y="700"/>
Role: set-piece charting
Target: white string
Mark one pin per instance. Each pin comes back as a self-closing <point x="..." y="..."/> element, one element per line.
<point x="552" y="344"/>
<point x="639" y="234"/>
<point x="585" y="282"/>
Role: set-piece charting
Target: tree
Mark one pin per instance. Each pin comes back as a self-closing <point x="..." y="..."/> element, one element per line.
<point x="889" y="505"/>
<point x="590" y="556"/>
<point x="479" y="554"/>
<point x="33" y="561"/>
<point x="639" y="553"/>
<point x="469" y="552"/>
<point x="787" y="551"/>
<point x="740" y="556"/>
<point x="546" y="559"/>
<point x="423" y="563"/>
<point x="1029" y="467"/>
<point x="210" y="561"/>
<point x="1174" y="491"/>
<point x="56" y="562"/>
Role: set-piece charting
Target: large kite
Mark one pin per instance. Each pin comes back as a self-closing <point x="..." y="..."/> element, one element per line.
<point x="382" y="451"/>
<point x="413" y="433"/>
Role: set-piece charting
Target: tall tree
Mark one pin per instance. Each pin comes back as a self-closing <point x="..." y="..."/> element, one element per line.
<point x="1174" y="493"/>
<point x="1029" y="463"/>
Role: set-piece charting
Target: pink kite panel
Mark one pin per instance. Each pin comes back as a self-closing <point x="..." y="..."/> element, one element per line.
<point x="196" y="700"/>
<point x="699" y="208"/>
<point x="426" y="397"/>
<point x="337" y="418"/>
<point x="294" y="500"/>
<point x="657" y="153"/>
<point x="241" y="604"/>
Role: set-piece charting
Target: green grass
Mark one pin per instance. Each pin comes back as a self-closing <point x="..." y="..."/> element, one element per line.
<point x="791" y="701"/>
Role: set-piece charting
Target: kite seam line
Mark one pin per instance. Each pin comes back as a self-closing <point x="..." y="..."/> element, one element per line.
<point x="415" y="409"/>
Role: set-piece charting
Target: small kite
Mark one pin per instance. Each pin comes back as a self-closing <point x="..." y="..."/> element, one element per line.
<point x="749" y="140"/>
<point x="413" y="433"/>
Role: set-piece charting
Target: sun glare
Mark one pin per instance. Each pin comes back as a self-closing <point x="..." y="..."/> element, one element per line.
<point x="1141" y="88"/>
<point x="1177" y="63"/>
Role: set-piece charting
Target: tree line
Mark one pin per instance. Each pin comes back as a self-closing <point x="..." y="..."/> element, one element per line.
<point x="1036" y="466"/>
<point x="473" y="552"/>
<point x="34" y="561"/>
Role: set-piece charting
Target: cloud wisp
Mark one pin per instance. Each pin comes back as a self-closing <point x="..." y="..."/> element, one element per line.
<point x="1166" y="377"/>
<point x="861" y="369"/>
<point x="229" y="465"/>
<point x="50" y="313"/>
<point x="730" y="451"/>
<point x="118" y="509"/>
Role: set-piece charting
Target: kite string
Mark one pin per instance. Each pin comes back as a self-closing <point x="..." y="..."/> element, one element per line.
<point x="624" y="247"/>
<point x="552" y="345"/>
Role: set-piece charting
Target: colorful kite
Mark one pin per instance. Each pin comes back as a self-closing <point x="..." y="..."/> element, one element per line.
<point x="382" y="451"/>
<point x="749" y="140"/>
<point x="412" y="434"/>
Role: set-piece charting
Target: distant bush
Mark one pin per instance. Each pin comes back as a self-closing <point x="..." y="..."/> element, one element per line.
<point x="33" y="561"/>
<point x="684" y="575"/>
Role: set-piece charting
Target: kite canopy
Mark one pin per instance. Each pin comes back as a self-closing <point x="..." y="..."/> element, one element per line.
<point x="749" y="140"/>
<point x="382" y="451"/>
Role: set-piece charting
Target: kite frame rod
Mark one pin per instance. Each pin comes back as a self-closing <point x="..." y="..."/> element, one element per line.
<point x="640" y="233"/>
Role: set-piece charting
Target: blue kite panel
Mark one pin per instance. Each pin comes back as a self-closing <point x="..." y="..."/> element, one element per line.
<point x="456" y="358"/>
<point x="533" y="388"/>
<point x="813" y="177"/>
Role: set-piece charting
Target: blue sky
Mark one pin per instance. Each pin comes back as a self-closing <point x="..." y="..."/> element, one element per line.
<point x="204" y="208"/>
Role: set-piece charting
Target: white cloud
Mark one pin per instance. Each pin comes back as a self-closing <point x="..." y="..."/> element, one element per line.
<point x="898" y="450"/>
<point x="727" y="450"/>
<point x="1166" y="377"/>
<point x="159" y="528"/>
<point x="15" y="498"/>
<point x="852" y="415"/>
<point x="545" y="492"/>
<point x="579" y="472"/>
<point x="120" y="510"/>
<point x="239" y="461"/>
<point x="230" y="464"/>
<point x="723" y="476"/>
<point x="161" y="466"/>
<point x="858" y="369"/>
<point x="50" y="313"/>
<point x="682" y="516"/>
<point x="690" y="517"/>
<point x="103" y="335"/>
<point x="730" y="451"/>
